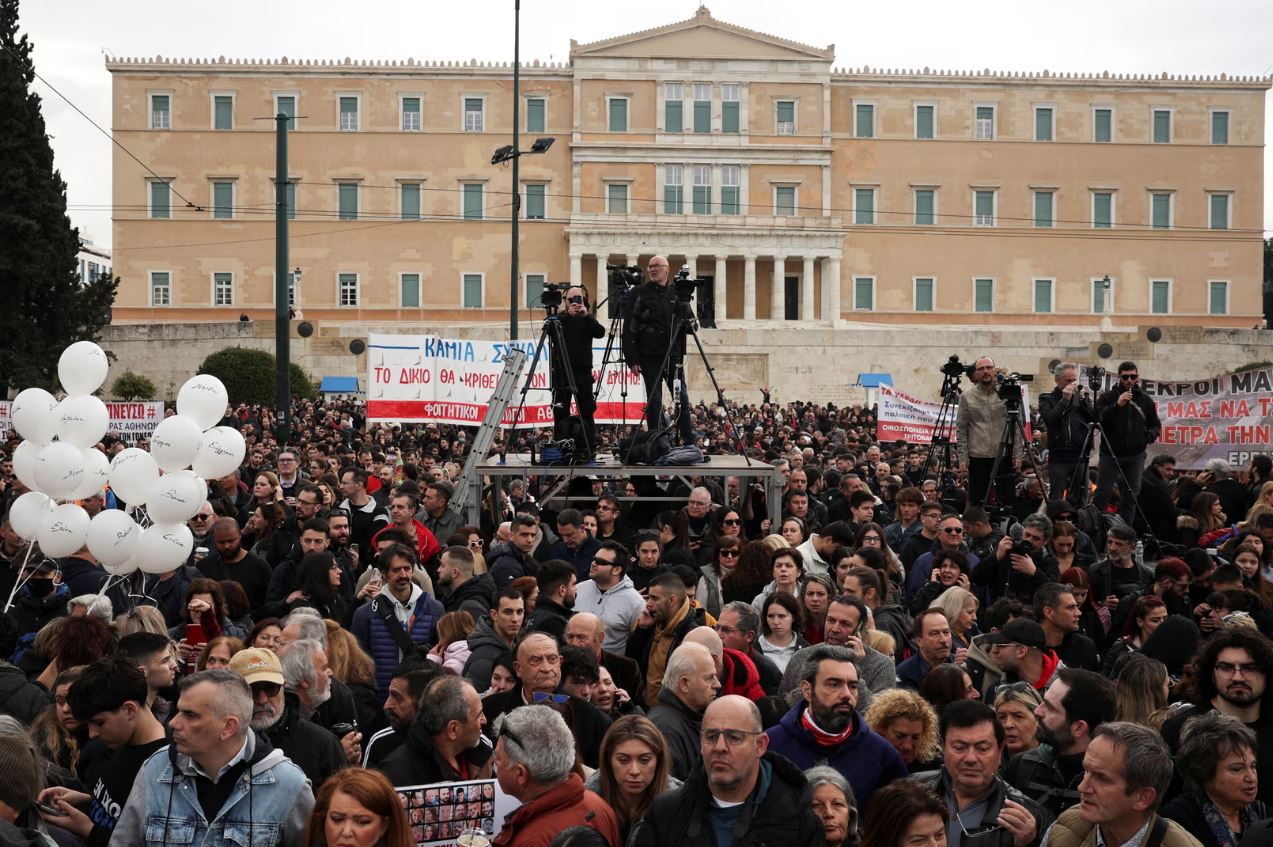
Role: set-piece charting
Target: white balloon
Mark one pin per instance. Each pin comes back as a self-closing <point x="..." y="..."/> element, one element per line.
<point x="176" y="442"/>
<point x="203" y="399"/>
<point x="113" y="538"/>
<point x="28" y="512"/>
<point x="164" y="547"/>
<point x="97" y="470"/>
<point x="174" y="497"/>
<point x="63" y="531"/>
<point x="34" y="414"/>
<point x="133" y="472"/>
<point x="222" y="451"/>
<point x="82" y="368"/>
<point x="203" y="488"/>
<point x="60" y="469"/>
<point x="25" y="459"/>
<point x="126" y="568"/>
<point x="84" y="420"/>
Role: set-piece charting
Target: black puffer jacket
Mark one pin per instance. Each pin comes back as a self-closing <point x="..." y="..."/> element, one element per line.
<point x="313" y="749"/>
<point x="475" y="596"/>
<point x="19" y="698"/>
<point x="1128" y="429"/>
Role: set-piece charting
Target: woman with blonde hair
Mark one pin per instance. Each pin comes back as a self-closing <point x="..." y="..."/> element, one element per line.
<point x="1140" y="690"/>
<point x="351" y="665"/>
<point x="908" y="722"/>
<point x="359" y="808"/>
<point x="141" y="619"/>
<point x="1014" y="707"/>
<point x="56" y="732"/>
<point x="959" y="605"/>
<point x="452" y="649"/>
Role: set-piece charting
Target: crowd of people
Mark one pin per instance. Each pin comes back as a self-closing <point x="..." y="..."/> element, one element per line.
<point x="904" y="655"/>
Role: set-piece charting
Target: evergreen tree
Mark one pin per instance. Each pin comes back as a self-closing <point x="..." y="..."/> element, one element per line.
<point x="43" y="306"/>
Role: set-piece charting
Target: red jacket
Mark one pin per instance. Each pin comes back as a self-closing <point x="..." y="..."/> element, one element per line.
<point x="428" y="543"/>
<point x="569" y="804"/>
<point x="739" y="676"/>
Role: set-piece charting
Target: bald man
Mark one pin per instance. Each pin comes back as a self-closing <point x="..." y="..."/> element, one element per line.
<point x="979" y="427"/>
<point x="574" y="364"/>
<point x="586" y="630"/>
<point x="647" y="337"/>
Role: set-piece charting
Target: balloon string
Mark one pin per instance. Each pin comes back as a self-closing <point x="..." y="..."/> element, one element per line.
<point x="21" y="581"/>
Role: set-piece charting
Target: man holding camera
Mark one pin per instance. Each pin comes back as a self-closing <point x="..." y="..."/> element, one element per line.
<point x="1067" y="415"/>
<point x="1129" y="419"/>
<point x="578" y="328"/>
<point x="647" y="336"/>
<point x="979" y="427"/>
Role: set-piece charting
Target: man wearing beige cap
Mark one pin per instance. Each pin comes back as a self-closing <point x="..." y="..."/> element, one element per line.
<point x="276" y="714"/>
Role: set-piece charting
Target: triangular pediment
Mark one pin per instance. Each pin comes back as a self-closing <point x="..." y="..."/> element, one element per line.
<point x="701" y="37"/>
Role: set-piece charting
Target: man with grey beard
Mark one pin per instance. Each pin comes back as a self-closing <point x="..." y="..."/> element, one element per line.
<point x="276" y="713"/>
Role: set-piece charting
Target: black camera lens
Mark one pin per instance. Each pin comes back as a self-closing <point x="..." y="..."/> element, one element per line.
<point x="577" y="299"/>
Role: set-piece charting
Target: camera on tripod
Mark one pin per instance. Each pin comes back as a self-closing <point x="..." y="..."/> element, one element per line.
<point x="553" y="293"/>
<point x="954" y="368"/>
<point x="623" y="277"/>
<point x="1009" y="389"/>
<point x="685" y="286"/>
<point x="1095" y="379"/>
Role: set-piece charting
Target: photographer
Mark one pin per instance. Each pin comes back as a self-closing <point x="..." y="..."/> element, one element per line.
<point x="578" y="328"/>
<point x="979" y="427"/>
<point x="1129" y="419"/>
<point x="1067" y="414"/>
<point x="1020" y="566"/>
<point x="647" y="337"/>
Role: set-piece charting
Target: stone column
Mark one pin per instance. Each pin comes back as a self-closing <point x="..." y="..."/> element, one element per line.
<point x="777" y="288"/>
<point x="720" y="291"/>
<point x="576" y="268"/>
<point x="603" y="314"/>
<point x="806" y="290"/>
<point x="831" y="288"/>
<point x="749" y="286"/>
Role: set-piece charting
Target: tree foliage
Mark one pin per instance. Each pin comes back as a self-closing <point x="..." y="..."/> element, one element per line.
<point x="131" y="386"/>
<point x="46" y="307"/>
<point x="249" y="375"/>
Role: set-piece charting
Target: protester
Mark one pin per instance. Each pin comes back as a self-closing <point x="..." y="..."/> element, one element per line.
<point x="357" y="808"/>
<point x="635" y="768"/>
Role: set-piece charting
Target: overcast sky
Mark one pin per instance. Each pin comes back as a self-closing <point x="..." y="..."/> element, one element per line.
<point x="1123" y="36"/>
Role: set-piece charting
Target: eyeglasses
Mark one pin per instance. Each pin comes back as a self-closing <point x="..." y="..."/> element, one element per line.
<point x="605" y="563"/>
<point x="725" y="630"/>
<point x="338" y="513"/>
<point x="269" y="689"/>
<point x="731" y="522"/>
<point x="1130" y="377"/>
<point x="1013" y="688"/>
<point x="545" y="697"/>
<point x="729" y="554"/>
<point x="477" y="544"/>
<point x="202" y="517"/>
<point x="733" y="737"/>
<point x="1247" y="668"/>
<point x="505" y="732"/>
<point x="952" y="530"/>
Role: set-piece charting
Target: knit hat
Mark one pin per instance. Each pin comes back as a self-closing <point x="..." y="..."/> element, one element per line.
<point x="256" y="664"/>
<point x="21" y="766"/>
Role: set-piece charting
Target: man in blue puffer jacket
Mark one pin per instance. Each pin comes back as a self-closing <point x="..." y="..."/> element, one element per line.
<point x="415" y="612"/>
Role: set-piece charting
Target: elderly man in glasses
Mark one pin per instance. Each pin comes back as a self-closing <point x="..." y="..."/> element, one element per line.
<point x="1129" y="420"/>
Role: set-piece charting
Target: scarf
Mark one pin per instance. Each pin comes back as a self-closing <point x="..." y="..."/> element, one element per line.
<point x="820" y="735"/>
<point x="1219" y="827"/>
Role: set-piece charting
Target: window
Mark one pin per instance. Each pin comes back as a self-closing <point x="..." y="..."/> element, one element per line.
<point x="160" y="288"/>
<point x="864" y="120"/>
<point x="1217" y="297"/>
<point x="223" y="111"/>
<point x="349" y="113"/>
<point x="1219" y="127"/>
<point x="925" y="206"/>
<point x="702" y="198"/>
<point x="535" y="290"/>
<point x="616" y="198"/>
<point x="285" y="104"/>
<point x="983" y="207"/>
<point x="1103" y="125"/>
<point x="1218" y="210"/>
<point x="160" y="111"/>
<point x="472" y="285"/>
<point x="1102" y="296"/>
<point x="535" y="194"/>
<point x="474" y="114"/>
<point x="702" y="107"/>
<point x="1102" y="209"/>
<point x="412" y="116"/>
<point x="785" y="117"/>
<point x="983" y="295"/>
<point x="730" y="191"/>
<point x="347" y="290"/>
<point x="536" y="114"/>
<point x="474" y="201"/>
<point x="925" y="120"/>
<point x="1043" y="126"/>
<point x="348" y="195"/>
<point x="409" y="290"/>
<point x="984" y="123"/>
<point x="864" y="206"/>
<point x="729" y="107"/>
<point x="1162" y="126"/>
<point x="1160" y="210"/>
<point x="618" y="114"/>
<point x="1160" y="296"/>
<point x="409" y="197"/>
<point x="864" y="293"/>
<point x="924" y="293"/>
<point x="673" y="107"/>
<point x="784" y="201"/>
<point x="1042" y="296"/>
<point x="222" y="200"/>
<point x="1043" y="209"/>
<point x="222" y="289"/>
<point x="673" y="189"/>
<point x="291" y="200"/>
<point x="160" y="199"/>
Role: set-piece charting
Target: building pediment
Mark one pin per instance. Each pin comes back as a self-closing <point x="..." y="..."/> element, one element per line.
<point x="701" y="37"/>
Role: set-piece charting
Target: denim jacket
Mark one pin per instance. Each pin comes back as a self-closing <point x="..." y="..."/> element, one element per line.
<point x="268" y="806"/>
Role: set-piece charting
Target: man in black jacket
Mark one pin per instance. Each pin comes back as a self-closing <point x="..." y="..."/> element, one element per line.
<point x="574" y="364"/>
<point x="1068" y="415"/>
<point x="689" y="686"/>
<point x="1156" y="503"/>
<point x="465" y="590"/>
<point x="556" y="581"/>
<point x="445" y="742"/>
<point x="742" y="796"/>
<point x="1129" y="419"/>
<point x="647" y="337"/>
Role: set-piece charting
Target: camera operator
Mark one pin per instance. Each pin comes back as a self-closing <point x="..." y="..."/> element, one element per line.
<point x="1067" y="414"/>
<point x="578" y="328"/>
<point x="1129" y="419"/>
<point x="647" y="336"/>
<point x="979" y="427"/>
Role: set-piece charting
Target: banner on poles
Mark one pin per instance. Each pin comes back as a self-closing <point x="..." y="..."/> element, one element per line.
<point x="1223" y="417"/>
<point x="131" y="420"/>
<point x="901" y="417"/>
<point x="426" y="379"/>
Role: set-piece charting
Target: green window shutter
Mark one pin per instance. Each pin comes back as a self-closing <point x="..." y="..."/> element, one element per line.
<point x="924" y="121"/>
<point x="729" y="116"/>
<point x="1043" y="124"/>
<point x="410" y="201"/>
<point x="1042" y="295"/>
<point x="222" y="200"/>
<point x="291" y="201"/>
<point x="287" y="106"/>
<point x="349" y="113"/>
<point x="1218" y="298"/>
<point x="617" y="199"/>
<point x="729" y="195"/>
<point x="618" y="115"/>
<point x="1219" y="211"/>
<point x="983" y="295"/>
<point x="1161" y="218"/>
<point x="223" y="112"/>
<point x="1043" y="216"/>
<point x="702" y="115"/>
<point x="864" y="206"/>
<point x="474" y="114"/>
<point x="984" y="208"/>
<point x="786" y="111"/>
<point x="1159" y="294"/>
<point x="1162" y="126"/>
<point x="535" y="121"/>
<point x="673" y="115"/>
<point x="785" y="201"/>
<point x="1102" y="210"/>
<point x="673" y="200"/>
<point x="535" y="201"/>
<point x="160" y="112"/>
<point x="535" y="290"/>
<point x="412" y="120"/>
<point x="160" y="200"/>
<point x="1103" y="126"/>
<point x="410" y="291"/>
<point x="863" y="294"/>
<point x="1219" y="127"/>
<point x="473" y="201"/>
<point x="925" y="201"/>
<point x="984" y="126"/>
<point x="924" y="294"/>
<point x="348" y="202"/>
<point x="864" y="123"/>
<point x="702" y="199"/>
<point x="472" y="291"/>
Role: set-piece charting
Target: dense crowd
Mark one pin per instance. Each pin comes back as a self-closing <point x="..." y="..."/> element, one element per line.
<point x="651" y="661"/>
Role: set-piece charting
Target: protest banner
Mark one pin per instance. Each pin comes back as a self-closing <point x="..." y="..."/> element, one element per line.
<point x="901" y="417"/>
<point x="439" y="813"/>
<point x="131" y="420"/>
<point x="426" y="379"/>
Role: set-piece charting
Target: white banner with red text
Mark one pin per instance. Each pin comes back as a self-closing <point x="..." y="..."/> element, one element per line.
<point x="130" y="420"/>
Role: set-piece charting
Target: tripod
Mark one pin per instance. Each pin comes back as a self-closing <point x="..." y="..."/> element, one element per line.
<point x="939" y="449"/>
<point x="1013" y="425"/>
<point x="552" y="332"/>
<point x="615" y="348"/>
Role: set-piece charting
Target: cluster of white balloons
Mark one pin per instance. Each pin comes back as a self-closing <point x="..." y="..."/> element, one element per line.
<point x="57" y="460"/>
